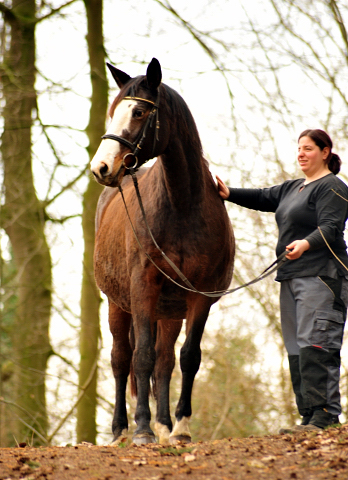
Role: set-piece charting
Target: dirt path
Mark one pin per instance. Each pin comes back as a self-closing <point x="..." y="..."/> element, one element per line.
<point x="308" y="456"/>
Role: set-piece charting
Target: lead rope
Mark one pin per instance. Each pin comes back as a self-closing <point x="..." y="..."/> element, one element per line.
<point x="327" y="244"/>
<point x="217" y="293"/>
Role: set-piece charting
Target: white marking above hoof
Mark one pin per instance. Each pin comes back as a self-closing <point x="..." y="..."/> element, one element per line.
<point x="181" y="431"/>
<point x="121" y="439"/>
<point x="162" y="432"/>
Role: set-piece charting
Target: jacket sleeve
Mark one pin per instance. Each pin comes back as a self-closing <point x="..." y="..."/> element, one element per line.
<point x="263" y="199"/>
<point x="331" y="211"/>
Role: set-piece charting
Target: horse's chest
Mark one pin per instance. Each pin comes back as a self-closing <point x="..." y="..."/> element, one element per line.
<point x="112" y="275"/>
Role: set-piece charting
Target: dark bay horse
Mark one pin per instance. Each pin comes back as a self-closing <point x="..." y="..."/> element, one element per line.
<point x="189" y="222"/>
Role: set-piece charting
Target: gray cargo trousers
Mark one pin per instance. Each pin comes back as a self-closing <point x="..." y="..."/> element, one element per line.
<point x="313" y="313"/>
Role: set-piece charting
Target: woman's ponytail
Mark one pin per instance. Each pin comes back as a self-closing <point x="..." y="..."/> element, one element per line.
<point x="335" y="163"/>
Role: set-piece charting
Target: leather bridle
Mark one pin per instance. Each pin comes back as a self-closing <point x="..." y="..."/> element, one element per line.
<point x="137" y="145"/>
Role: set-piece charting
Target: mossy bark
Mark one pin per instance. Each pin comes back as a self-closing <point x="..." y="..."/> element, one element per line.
<point x="90" y="297"/>
<point x="23" y="219"/>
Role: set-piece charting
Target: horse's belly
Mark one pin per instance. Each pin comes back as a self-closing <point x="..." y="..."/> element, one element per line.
<point x="171" y="303"/>
<point x="171" y="307"/>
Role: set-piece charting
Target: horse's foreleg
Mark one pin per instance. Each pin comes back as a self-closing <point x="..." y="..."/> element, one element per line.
<point x="190" y="359"/>
<point x="144" y="357"/>
<point x="167" y="333"/>
<point x="121" y="356"/>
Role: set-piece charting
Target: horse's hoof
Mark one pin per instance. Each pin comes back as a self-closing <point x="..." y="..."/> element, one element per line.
<point x="179" y="439"/>
<point x="122" y="438"/>
<point x="143" y="439"/>
<point x="118" y="441"/>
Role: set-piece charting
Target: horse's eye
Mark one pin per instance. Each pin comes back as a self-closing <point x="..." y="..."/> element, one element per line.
<point x="138" y="113"/>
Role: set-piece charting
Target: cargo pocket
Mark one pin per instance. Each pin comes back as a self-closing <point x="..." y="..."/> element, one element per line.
<point x="344" y="290"/>
<point x="328" y="329"/>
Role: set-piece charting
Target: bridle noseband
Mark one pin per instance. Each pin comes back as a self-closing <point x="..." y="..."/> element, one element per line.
<point x="138" y="142"/>
<point x="135" y="147"/>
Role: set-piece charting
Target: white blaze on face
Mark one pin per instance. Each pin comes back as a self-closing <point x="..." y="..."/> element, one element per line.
<point x="108" y="149"/>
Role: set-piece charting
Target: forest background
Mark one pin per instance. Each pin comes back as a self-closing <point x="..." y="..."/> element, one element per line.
<point x="254" y="75"/>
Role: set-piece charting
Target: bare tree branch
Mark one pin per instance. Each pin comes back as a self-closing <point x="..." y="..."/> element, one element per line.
<point x="79" y="398"/>
<point x="8" y="13"/>
<point x="198" y="37"/>
<point x="2" y="400"/>
<point x="66" y="187"/>
<point x="54" y="11"/>
<point x="338" y="18"/>
<point x="325" y="71"/>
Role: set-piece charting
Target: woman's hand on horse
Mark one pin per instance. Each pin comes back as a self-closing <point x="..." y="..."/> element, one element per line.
<point x="222" y="188"/>
<point x="297" y="248"/>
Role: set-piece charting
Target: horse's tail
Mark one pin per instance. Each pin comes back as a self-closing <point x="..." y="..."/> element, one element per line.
<point x="133" y="381"/>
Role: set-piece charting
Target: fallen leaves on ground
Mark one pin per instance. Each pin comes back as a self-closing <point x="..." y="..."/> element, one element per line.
<point x="304" y="456"/>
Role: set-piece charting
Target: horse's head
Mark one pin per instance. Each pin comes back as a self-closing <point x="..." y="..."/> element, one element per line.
<point x="132" y="136"/>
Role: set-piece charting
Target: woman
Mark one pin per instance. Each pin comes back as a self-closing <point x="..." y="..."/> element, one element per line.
<point x="311" y="215"/>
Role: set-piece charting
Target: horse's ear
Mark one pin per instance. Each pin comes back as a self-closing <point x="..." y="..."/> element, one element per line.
<point x="154" y="74"/>
<point x="120" y="77"/>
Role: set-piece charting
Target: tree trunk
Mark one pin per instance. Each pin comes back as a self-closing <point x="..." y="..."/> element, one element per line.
<point x="23" y="220"/>
<point x="90" y="298"/>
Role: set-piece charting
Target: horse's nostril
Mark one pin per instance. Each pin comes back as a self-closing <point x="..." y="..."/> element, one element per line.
<point x="103" y="170"/>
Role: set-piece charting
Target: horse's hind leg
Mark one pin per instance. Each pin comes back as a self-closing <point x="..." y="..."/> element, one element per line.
<point x="121" y="356"/>
<point x="190" y="359"/>
<point x="167" y="333"/>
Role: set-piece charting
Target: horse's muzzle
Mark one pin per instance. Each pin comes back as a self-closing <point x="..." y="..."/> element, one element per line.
<point x="106" y="178"/>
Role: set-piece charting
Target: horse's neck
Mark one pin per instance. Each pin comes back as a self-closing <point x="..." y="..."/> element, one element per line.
<point x="183" y="177"/>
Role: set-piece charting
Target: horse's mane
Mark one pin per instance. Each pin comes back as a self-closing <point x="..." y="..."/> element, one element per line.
<point x="186" y="125"/>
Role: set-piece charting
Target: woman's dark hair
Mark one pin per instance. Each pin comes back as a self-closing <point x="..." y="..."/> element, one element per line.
<point x="322" y="140"/>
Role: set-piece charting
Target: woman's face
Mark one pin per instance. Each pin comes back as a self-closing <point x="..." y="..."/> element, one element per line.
<point x="310" y="158"/>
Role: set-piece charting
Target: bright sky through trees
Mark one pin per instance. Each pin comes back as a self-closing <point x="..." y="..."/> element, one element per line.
<point x="252" y="87"/>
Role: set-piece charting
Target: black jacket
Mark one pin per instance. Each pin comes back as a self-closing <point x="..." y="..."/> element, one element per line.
<point x="299" y="212"/>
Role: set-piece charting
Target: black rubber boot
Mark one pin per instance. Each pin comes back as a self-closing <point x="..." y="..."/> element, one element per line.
<point x="304" y="410"/>
<point x="310" y="378"/>
<point x="306" y="419"/>
<point x="321" y="419"/>
<point x="319" y="370"/>
<point x="315" y="364"/>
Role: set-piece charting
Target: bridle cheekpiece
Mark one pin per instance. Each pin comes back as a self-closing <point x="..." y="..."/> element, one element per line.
<point x="138" y="142"/>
